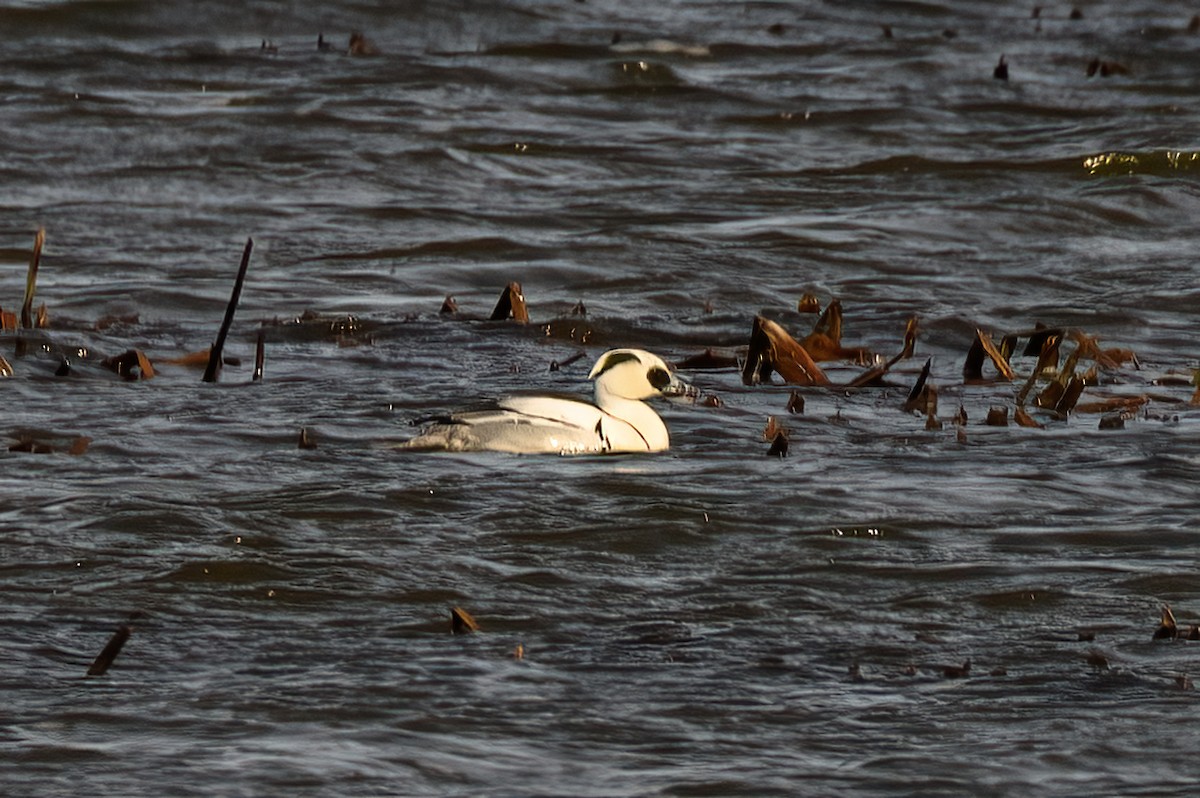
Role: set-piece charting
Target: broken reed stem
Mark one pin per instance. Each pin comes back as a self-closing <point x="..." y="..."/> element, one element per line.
<point x="511" y="305"/>
<point x="259" y="354"/>
<point x="461" y="622"/>
<point x="31" y="280"/>
<point x="105" y="658"/>
<point x="214" y="355"/>
<point x="1023" y="394"/>
<point x="30" y="286"/>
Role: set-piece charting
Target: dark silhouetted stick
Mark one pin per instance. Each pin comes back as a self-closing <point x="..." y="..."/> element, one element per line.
<point x="916" y="397"/>
<point x="259" y="354"/>
<point x="214" y="355"/>
<point x="555" y="365"/>
<point x="105" y="658"/>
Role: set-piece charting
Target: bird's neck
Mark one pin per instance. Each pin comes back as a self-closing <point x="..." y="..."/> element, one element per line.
<point x="640" y="416"/>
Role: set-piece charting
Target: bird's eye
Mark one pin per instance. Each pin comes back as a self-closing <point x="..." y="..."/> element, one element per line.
<point x="659" y="378"/>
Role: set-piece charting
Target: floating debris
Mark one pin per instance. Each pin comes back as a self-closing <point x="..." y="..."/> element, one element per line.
<point x="556" y="365"/>
<point x="825" y="341"/>
<point x="449" y="306"/>
<point x="360" y="45"/>
<point x="1023" y="419"/>
<point x="461" y="622"/>
<point x="132" y="365"/>
<point x="112" y="320"/>
<point x="1069" y="396"/>
<point x="305" y="440"/>
<point x="779" y="446"/>
<point x="983" y="347"/>
<point x="1167" y="629"/>
<point x="1001" y="70"/>
<point x="997" y="417"/>
<point x="1047" y="353"/>
<point x="777" y="434"/>
<point x="1112" y="358"/>
<point x="957" y="671"/>
<point x="795" y="403"/>
<point x="1106" y="68"/>
<point x="772" y="429"/>
<point x="511" y="305"/>
<point x="30" y="444"/>
<point x="875" y="374"/>
<point x="808" y="304"/>
<point x="199" y="360"/>
<point x="772" y="350"/>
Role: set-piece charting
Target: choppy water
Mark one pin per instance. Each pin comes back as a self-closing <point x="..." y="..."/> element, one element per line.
<point x="707" y="622"/>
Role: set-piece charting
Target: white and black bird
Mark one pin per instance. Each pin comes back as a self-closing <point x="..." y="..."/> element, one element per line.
<point x="617" y="421"/>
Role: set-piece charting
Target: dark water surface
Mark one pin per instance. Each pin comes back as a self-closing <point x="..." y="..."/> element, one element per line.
<point x="706" y="622"/>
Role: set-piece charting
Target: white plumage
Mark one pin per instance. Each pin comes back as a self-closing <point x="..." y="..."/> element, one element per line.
<point x="617" y="421"/>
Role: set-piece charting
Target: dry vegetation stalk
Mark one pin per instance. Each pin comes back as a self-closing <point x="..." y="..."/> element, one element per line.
<point x="461" y="622"/>
<point x="30" y="288"/>
<point x="998" y="360"/>
<point x="31" y="280"/>
<point x="214" y="356"/>
<point x="773" y="350"/>
<point x="511" y="305"/>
